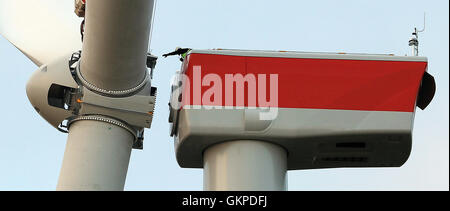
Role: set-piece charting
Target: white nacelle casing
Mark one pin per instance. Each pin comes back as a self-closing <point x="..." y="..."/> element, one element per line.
<point x="55" y="74"/>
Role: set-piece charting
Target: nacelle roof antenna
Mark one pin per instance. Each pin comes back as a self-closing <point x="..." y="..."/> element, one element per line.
<point x="414" y="41"/>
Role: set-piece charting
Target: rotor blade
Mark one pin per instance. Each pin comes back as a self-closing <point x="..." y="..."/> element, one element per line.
<point x="42" y="30"/>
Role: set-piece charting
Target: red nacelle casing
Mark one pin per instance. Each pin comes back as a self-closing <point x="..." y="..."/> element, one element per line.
<point x="333" y="110"/>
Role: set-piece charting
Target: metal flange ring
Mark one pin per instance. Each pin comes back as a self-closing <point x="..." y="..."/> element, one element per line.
<point x="109" y="120"/>
<point x="111" y="93"/>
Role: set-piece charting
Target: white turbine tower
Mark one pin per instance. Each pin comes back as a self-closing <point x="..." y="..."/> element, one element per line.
<point x="101" y="96"/>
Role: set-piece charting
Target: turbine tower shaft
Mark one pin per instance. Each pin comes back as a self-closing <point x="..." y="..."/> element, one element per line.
<point x="113" y="60"/>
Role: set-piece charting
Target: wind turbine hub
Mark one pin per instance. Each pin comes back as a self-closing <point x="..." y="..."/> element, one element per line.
<point x="62" y="96"/>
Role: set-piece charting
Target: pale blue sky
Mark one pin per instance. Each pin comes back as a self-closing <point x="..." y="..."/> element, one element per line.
<point x="31" y="151"/>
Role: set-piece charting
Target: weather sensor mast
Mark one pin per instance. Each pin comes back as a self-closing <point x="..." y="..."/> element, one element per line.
<point x="414" y="41"/>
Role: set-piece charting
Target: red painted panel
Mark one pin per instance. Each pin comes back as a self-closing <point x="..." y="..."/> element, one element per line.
<point x="320" y="83"/>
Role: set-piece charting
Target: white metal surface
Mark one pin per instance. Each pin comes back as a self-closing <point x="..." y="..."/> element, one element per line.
<point x="54" y="73"/>
<point x="113" y="58"/>
<point x="309" y="135"/>
<point x="116" y="43"/>
<point x="96" y="158"/>
<point x="245" y="166"/>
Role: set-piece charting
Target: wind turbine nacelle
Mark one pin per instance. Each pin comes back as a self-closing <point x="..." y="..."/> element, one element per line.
<point x="326" y="110"/>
